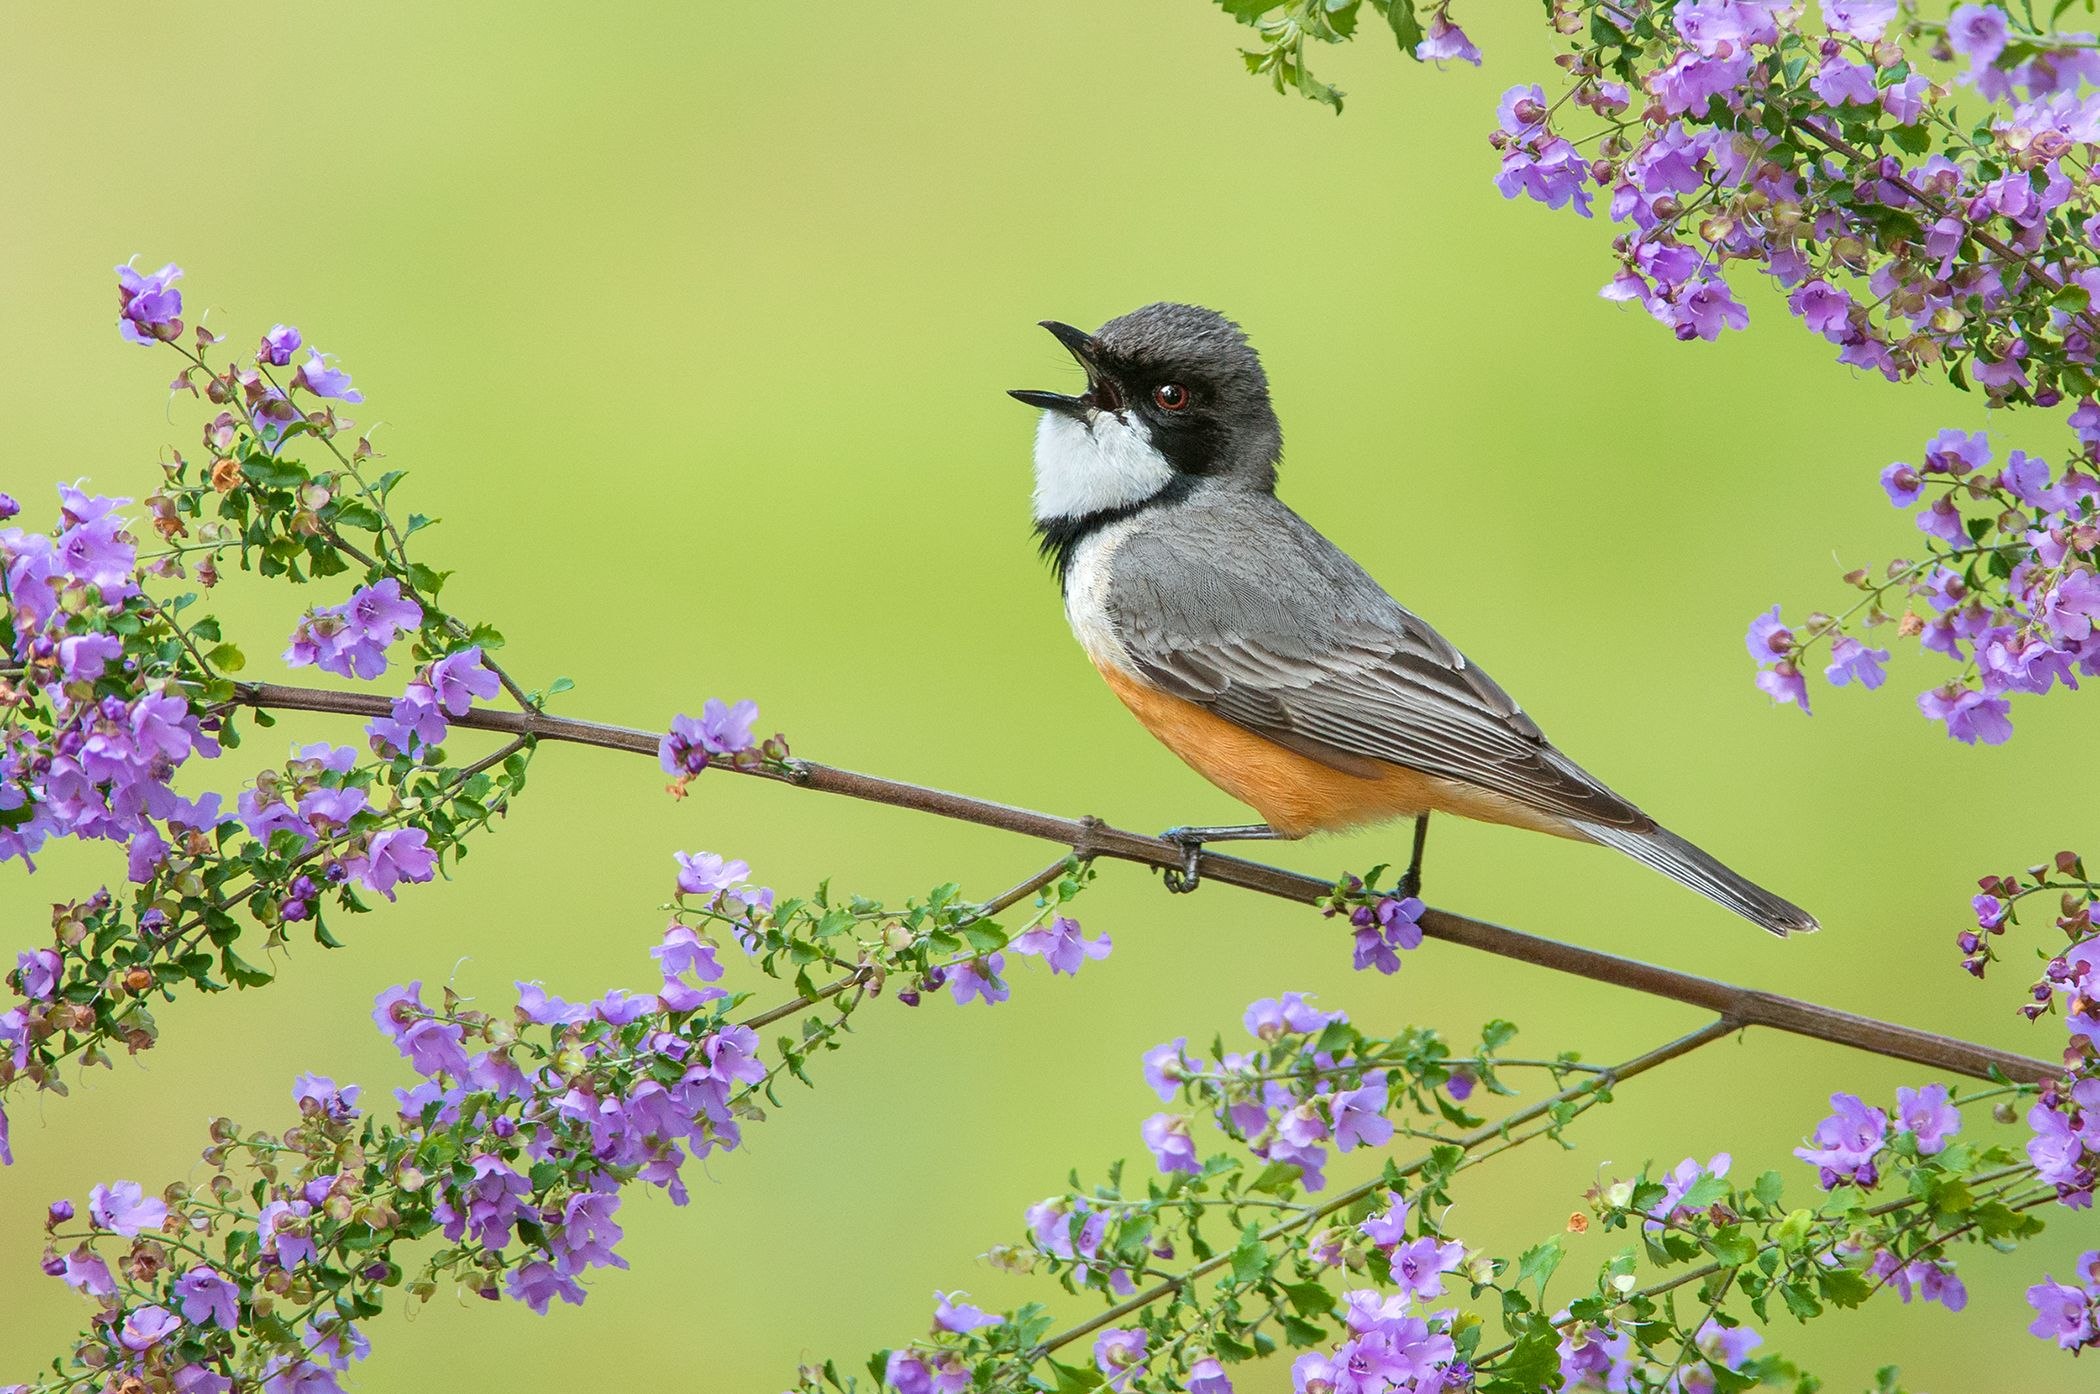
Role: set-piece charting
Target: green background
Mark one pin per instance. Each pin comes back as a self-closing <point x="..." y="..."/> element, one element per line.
<point x="693" y="324"/>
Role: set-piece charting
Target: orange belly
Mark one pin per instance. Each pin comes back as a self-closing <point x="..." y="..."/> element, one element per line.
<point x="1296" y="794"/>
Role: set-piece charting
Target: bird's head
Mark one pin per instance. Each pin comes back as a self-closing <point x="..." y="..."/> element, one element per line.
<point x="1173" y="393"/>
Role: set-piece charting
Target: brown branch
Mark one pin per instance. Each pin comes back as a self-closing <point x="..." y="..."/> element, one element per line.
<point x="1740" y="1006"/>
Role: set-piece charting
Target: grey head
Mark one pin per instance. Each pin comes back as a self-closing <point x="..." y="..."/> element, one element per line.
<point x="1175" y="399"/>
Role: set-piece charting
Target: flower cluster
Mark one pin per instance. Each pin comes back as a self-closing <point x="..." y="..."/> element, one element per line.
<point x="1382" y="924"/>
<point x="2007" y="589"/>
<point x="116" y="692"/>
<point x="1845" y="1146"/>
<point x="1311" y="1083"/>
<point x="513" y="1148"/>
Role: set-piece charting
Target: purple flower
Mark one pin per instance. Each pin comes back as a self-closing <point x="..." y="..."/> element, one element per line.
<point x="1061" y="944"/>
<point x="205" y="1296"/>
<point x="1862" y="19"/>
<point x="1119" y="1353"/>
<point x="1957" y="452"/>
<point x="318" y="1095"/>
<point x="1841" y="82"/>
<point x="1382" y="929"/>
<point x="317" y="377"/>
<point x="123" y="1208"/>
<point x="586" y="1236"/>
<point x="1446" y="40"/>
<point x="1165" y="1067"/>
<point x="1822" y="307"/>
<point x="1388" y="1228"/>
<point x="1845" y="1143"/>
<point x="1785" y="685"/>
<point x="2056" y="1149"/>
<point x="1927" y="1116"/>
<point x="1167" y="1136"/>
<point x="2072" y="606"/>
<point x="147" y="1327"/>
<point x="394" y="855"/>
<point x="2062" y="1314"/>
<point x="351" y="639"/>
<point x="1970" y="716"/>
<point x="979" y="978"/>
<point x="705" y="873"/>
<point x="1419" y="1267"/>
<point x="1705" y="309"/>
<point x="149" y="307"/>
<point x="457" y="679"/>
<point x="1768" y="639"/>
<point x="1851" y="660"/>
<point x="39" y="972"/>
<point x="1207" y="1376"/>
<point x="538" y="1284"/>
<point x="85" y="657"/>
<point x="1977" y="33"/>
<point x="1359" y="1116"/>
<point x="84" y="1271"/>
<point x="278" y="345"/>
<point x="692" y="741"/>
<point x="1293" y="1012"/>
<point x="960" y="1317"/>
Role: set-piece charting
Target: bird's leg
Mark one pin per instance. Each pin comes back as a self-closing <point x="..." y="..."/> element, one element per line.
<point x="1411" y="879"/>
<point x="1186" y="878"/>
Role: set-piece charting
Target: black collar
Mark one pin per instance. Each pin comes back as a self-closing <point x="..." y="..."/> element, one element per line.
<point x="1059" y="538"/>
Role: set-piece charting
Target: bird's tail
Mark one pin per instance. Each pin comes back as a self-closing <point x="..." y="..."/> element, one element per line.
<point x="1680" y="861"/>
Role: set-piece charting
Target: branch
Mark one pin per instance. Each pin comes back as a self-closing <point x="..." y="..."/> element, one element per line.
<point x="1739" y="1006"/>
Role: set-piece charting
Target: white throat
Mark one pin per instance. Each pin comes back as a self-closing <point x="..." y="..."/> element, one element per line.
<point x="1082" y="467"/>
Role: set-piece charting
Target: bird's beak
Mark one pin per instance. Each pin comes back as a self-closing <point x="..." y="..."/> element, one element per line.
<point x="1100" y="394"/>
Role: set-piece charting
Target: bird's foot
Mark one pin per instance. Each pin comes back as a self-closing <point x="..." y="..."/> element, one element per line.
<point x="1186" y="877"/>
<point x="1410" y="883"/>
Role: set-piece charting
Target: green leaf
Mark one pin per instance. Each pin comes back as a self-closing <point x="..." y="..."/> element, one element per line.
<point x="273" y="472"/>
<point x="227" y="658"/>
<point x="1704" y="1192"/>
<point x="1407" y="26"/>
<point x="985" y="937"/>
<point x="1072" y="1379"/>
<point x="1247" y="11"/>
<point x="1731" y="1246"/>
<point x="1308" y="1299"/>
<point x="1538" y="1263"/>
<point x="1845" y="1287"/>
<point x="239" y="970"/>
<point x="1250" y="1259"/>
<point x="1275" y="1179"/>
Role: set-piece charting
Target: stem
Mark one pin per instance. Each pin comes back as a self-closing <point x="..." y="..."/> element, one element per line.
<point x="1090" y="838"/>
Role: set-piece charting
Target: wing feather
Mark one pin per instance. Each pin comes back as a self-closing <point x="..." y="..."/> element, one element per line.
<point x="1325" y="662"/>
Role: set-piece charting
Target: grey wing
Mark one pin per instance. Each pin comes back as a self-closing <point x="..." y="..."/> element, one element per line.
<point x="1274" y="629"/>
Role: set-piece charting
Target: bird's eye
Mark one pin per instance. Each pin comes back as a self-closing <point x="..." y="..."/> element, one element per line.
<point x="1171" y="396"/>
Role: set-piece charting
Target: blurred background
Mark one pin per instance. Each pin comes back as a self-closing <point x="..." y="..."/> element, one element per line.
<point x="693" y="324"/>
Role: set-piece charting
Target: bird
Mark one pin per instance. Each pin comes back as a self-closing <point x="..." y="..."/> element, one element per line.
<point x="1258" y="651"/>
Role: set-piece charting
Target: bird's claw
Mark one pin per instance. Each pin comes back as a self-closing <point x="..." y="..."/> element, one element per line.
<point x="1186" y="877"/>
<point x="1410" y="884"/>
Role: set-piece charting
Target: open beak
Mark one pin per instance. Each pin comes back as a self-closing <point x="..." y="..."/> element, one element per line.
<point x="1100" y="394"/>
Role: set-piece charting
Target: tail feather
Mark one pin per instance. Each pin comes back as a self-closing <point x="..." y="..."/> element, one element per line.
<point x="1681" y="861"/>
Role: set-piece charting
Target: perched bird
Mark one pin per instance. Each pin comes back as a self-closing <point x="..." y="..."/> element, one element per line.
<point x="1258" y="652"/>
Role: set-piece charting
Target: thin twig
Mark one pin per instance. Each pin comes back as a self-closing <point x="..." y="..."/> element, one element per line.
<point x="1089" y="837"/>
